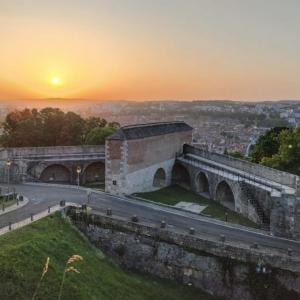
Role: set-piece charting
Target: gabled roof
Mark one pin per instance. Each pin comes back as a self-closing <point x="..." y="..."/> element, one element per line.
<point x="140" y="131"/>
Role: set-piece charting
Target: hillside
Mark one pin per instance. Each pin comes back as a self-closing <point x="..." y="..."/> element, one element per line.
<point x="23" y="254"/>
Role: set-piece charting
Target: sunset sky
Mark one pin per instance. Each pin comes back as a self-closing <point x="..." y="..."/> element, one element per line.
<point x="154" y="49"/>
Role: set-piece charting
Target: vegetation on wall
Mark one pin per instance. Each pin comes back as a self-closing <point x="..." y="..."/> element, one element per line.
<point x="53" y="127"/>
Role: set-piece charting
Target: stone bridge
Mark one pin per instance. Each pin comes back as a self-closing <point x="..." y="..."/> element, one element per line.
<point x="264" y="195"/>
<point x="53" y="164"/>
<point x="147" y="157"/>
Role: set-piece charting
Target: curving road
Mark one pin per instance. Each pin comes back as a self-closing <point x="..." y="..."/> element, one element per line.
<point x="43" y="196"/>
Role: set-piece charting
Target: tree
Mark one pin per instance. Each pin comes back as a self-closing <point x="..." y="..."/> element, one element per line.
<point x="267" y="145"/>
<point x="91" y="123"/>
<point x="52" y="127"/>
<point x="98" y="135"/>
<point x="114" y="125"/>
<point x="72" y="130"/>
<point x="52" y="122"/>
<point x="288" y="156"/>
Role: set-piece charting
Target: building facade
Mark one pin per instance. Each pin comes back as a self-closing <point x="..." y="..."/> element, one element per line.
<point x="141" y="157"/>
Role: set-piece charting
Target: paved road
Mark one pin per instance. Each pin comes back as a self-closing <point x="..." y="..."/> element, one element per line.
<point x="41" y="197"/>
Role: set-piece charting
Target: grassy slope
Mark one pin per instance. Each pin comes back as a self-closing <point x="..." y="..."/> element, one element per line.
<point x="173" y="194"/>
<point x="24" y="252"/>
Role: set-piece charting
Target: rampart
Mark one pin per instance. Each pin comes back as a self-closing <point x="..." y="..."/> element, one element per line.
<point x="228" y="270"/>
<point x="27" y="152"/>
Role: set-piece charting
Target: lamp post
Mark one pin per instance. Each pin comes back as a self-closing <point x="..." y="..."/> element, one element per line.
<point x="78" y="170"/>
<point x="8" y="164"/>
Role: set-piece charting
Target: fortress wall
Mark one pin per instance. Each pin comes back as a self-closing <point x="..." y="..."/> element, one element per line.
<point x="252" y="168"/>
<point x="57" y="150"/>
<point x="227" y="270"/>
<point x="131" y="164"/>
<point x="146" y="152"/>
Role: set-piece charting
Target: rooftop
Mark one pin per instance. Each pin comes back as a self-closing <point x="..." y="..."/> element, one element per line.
<point x="139" y="131"/>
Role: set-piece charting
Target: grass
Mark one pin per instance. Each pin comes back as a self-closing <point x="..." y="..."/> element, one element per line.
<point x="173" y="194"/>
<point x="23" y="254"/>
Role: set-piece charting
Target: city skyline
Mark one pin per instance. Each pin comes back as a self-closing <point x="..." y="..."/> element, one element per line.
<point x="158" y="50"/>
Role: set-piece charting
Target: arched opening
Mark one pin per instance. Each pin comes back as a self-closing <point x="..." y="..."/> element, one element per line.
<point x="159" y="179"/>
<point x="181" y="176"/>
<point x="56" y="173"/>
<point x="202" y="182"/>
<point x="94" y="173"/>
<point x="224" y="195"/>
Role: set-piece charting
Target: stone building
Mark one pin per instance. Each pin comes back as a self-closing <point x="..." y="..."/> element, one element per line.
<point x="141" y="157"/>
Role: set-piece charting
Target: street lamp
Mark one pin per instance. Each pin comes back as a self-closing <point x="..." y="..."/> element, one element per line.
<point x="78" y="170"/>
<point x="8" y="164"/>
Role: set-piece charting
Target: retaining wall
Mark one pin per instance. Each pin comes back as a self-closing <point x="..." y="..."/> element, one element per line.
<point x="219" y="268"/>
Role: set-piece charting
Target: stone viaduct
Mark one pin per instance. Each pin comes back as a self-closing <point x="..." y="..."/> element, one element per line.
<point x="151" y="156"/>
<point x="53" y="164"/>
<point x="147" y="157"/>
<point x="264" y="195"/>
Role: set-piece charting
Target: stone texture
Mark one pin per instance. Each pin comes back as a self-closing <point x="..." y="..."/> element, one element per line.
<point x="29" y="163"/>
<point x="220" y="276"/>
<point x="132" y="160"/>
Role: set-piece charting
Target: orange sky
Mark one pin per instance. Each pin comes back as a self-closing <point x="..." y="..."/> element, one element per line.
<point x="140" y="50"/>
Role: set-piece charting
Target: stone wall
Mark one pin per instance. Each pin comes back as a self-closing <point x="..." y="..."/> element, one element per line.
<point x="42" y="151"/>
<point x="277" y="211"/>
<point x="240" y="203"/>
<point x="255" y="169"/>
<point x="132" y="164"/>
<point x="115" y="164"/>
<point x="29" y="163"/>
<point x="218" y="268"/>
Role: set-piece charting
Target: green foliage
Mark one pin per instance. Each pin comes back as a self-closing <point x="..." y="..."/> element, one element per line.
<point x="98" y="135"/>
<point x="279" y="148"/>
<point x="23" y="254"/>
<point x="52" y="127"/>
<point x="267" y="145"/>
<point x="287" y="158"/>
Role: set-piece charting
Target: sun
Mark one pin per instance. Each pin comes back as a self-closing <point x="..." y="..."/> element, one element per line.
<point x="56" y="80"/>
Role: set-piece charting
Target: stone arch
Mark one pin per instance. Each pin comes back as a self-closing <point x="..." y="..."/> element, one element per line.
<point x="181" y="176"/>
<point x="159" y="179"/>
<point x="202" y="183"/>
<point x="94" y="172"/>
<point x="56" y="173"/>
<point x="224" y="195"/>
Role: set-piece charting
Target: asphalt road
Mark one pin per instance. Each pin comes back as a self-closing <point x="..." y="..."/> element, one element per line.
<point x="43" y="196"/>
